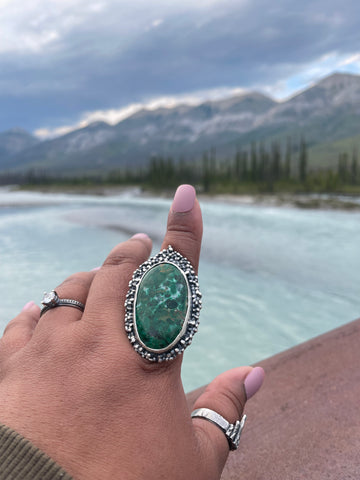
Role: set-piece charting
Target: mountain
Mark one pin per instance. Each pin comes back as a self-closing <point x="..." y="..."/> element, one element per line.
<point x="328" y="111"/>
<point x="14" y="141"/>
<point x="68" y="152"/>
<point x="190" y="124"/>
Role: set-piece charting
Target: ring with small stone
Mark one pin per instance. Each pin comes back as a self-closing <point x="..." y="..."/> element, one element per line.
<point x="52" y="300"/>
<point x="162" y="306"/>
<point x="232" y="431"/>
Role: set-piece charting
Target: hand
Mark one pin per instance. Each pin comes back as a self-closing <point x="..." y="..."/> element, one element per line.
<point x="73" y="385"/>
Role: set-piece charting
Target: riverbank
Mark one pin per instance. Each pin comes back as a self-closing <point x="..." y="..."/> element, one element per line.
<point x="294" y="200"/>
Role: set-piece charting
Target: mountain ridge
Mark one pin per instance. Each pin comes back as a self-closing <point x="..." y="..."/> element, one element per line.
<point x="326" y="111"/>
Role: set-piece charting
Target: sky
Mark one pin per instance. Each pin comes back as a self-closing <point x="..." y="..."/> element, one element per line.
<point x="67" y="63"/>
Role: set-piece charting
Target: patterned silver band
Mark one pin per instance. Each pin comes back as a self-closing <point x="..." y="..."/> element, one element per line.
<point x="232" y="431"/>
<point x="52" y="300"/>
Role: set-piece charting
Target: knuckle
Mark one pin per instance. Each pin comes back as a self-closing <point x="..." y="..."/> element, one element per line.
<point x="10" y="326"/>
<point x="88" y="340"/>
<point x="104" y="305"/>
<point x="231" y="395"/>
<point x="186" y="243"/>
<point x="81" y="279"/>
<point x="155" y="369"/>
<point x="18" y="325"/>
<point x="117" y="259"/>
<point x="183" y="232"/>
<point x="76" y="286"/>
<point x="222" y="398"/>
<point x="127" y="254"/>
<point x="234" y="402"/>
<point x="19" y="335"/>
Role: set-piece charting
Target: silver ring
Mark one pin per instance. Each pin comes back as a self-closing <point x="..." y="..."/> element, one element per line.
<point x="162" y="306"/>
<point x="52" y="300"/>
<point x="232" y="431"/>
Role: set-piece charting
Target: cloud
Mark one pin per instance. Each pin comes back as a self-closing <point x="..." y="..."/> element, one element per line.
<point x="156" y="23"/>
<point x="114" y="116"/>
<point x="351" y="60"/>
<point x="30" y="26"/>
<point x="61" y="58"/>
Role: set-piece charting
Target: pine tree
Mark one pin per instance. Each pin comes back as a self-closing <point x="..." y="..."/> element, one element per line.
<point x="346" y="167"/>
<point x="169" y="174"/>
<point x="275" y="161"/>
<point x="287" y="169"/>
<point x="206" y="172"/>
<point x="269" y="178"/>
<point x="340" y="167"/>
<point x="343" y="167"/>
<point x="262" y="162"/>
<point x="213" y="163"/>
<point x="303" y="161"/>
<point x="253" y="160"/>
<point x="244" y="166"/>
<point x="237" y="166"/>
<point x="354" y="167"/>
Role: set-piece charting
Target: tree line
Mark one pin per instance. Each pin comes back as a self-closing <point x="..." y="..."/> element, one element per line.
<point x="277" y="167"/>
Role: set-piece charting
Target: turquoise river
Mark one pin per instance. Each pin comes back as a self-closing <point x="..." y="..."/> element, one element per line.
<point x="271" y="277"/>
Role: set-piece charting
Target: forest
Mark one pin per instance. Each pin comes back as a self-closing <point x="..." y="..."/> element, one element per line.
<point x="276" y="168"/>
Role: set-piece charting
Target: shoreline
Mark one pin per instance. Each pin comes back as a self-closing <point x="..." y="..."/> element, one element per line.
<point x="309" y="201"/>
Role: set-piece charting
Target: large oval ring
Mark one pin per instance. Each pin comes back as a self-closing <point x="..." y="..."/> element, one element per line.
<point x="162" y="306"/>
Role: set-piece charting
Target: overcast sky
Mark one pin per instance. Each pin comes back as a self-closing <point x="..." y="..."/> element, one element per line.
<point x="65" y="63"/>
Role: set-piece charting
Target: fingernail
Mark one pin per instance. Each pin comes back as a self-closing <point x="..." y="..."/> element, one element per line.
<point x="141" y="236"/>
<point x="254" y="381"/>
<point x="27" y="306"/>
<point x="95" y="269"/>
<point x="184" y="199"/>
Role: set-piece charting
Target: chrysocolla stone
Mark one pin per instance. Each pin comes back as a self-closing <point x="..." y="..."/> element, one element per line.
<point x="161" y="306"/>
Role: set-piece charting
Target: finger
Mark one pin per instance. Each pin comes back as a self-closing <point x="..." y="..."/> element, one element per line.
<point x="19" y="331"/>
<point x="226" y="395"/>
<point x="192" y="396"/>
<point x="184" y="226"/>
<point x="105" y="304"/>
<point x="184" y="234"/>
<point x="75" y="287"/>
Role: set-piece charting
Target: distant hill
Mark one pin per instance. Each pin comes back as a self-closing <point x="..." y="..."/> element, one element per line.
<point x="325" y="113"/>
<point x="14" y="141"/>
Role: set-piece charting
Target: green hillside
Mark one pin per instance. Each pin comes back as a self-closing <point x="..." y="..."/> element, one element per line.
<point x="326" y="155"/>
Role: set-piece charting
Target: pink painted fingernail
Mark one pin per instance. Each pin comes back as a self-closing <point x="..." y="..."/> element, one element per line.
<point x="254" y="381"/>
<point x="95" y="269"/>
<point x="184" y="199"/>
<point x="27" y="306"/>
<point x="141" y="236"/>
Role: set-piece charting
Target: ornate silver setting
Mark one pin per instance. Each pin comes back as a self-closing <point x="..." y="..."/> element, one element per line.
<point x="51" y="300"/>
<point x="232" y="431"/>
<point x="191" y="322"/>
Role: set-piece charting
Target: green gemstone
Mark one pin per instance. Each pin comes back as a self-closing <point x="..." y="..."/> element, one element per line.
<point x="161" y="306"/>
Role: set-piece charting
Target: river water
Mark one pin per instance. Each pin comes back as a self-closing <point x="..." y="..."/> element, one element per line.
<point x="271" y="277"/>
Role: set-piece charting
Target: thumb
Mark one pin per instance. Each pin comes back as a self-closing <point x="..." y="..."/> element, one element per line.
<point x="226" y="395"/>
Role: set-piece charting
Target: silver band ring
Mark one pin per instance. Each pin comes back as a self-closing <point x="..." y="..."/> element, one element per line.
<point x="52" y="300"/>
<point x="232" y="431"/>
